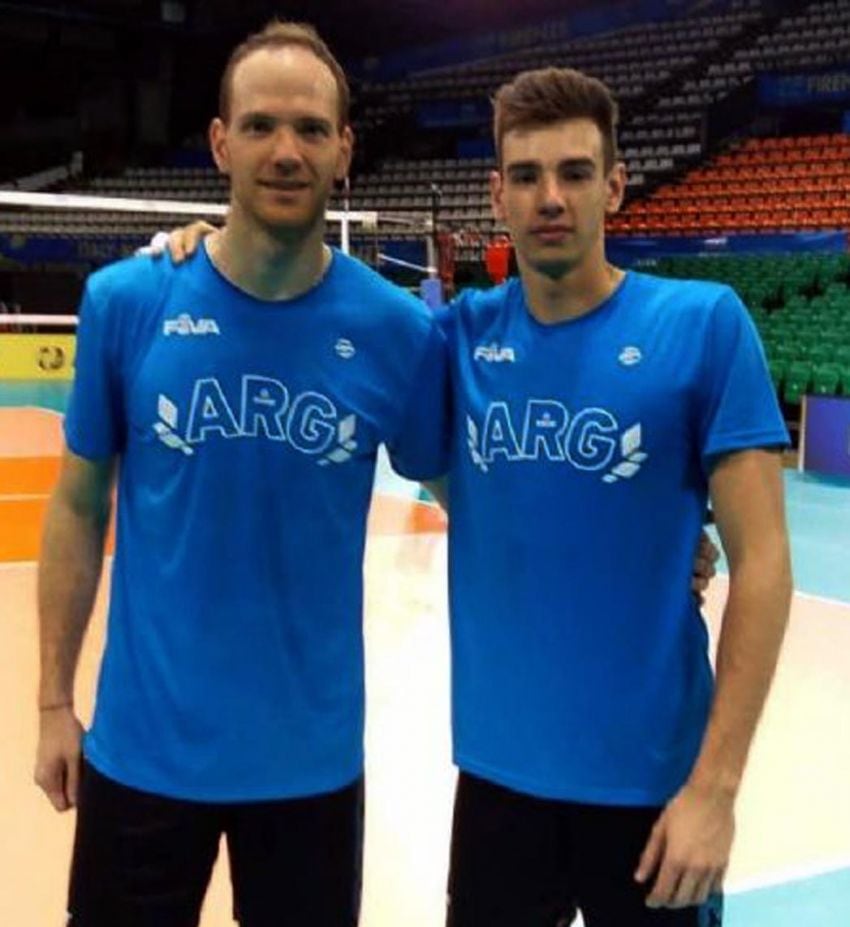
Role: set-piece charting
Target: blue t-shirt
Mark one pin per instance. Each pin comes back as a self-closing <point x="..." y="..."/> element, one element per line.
<point x="247" y="433"/>
<point x="580" y="464"/>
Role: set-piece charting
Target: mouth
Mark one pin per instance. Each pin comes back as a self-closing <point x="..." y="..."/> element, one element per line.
<point x="284" y="186"/>
<point x="551" y="234"/>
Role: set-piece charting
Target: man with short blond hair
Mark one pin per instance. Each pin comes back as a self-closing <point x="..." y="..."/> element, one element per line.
<point x="244" y="395"/>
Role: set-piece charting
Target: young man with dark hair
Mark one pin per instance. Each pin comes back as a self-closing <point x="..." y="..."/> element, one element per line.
<point x="595" y="413"/>
<point x="243" y="398"/>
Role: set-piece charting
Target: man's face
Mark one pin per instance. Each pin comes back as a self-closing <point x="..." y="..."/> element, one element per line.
<point x="553" y="194"/>
<point x="282" y="147"/>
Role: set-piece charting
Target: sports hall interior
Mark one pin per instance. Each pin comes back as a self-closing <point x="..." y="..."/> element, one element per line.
<point x="735" y="132"/>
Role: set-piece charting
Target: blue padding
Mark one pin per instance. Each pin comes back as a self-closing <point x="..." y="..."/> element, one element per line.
<point x="831" y="86"/>
<point x="627" y="252"/>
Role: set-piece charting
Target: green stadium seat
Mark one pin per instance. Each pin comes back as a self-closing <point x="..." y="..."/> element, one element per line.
<point x="833" y="338"/>
<point x="837" y="291"/>
<point x="821" y="353"/>
<point x="798" y="379"/>
<point x="784" y="350"/>
<point x="801" y="349"/>
<point x="826" y="379"/>
<point x="777" y="369"/>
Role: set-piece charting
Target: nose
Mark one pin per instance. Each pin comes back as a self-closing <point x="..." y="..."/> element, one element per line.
<point x="287" y="152"/>
<point x="551" y="203"/>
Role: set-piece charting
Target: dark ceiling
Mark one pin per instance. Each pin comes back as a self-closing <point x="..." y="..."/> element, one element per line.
<point x="127" y="78"/>
<point x="355" y="28"/>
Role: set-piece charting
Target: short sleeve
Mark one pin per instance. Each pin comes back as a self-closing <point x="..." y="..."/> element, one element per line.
<point x="419" y="450"/>
<point x="738" y="404"/>
<point x="94" y="426"/>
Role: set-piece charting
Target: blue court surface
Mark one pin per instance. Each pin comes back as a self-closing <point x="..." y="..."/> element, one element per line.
<point x="48" y="394"/>
<point x="819" y="901"/>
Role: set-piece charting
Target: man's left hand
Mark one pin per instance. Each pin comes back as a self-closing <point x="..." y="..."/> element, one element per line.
<point x="704" y="566"/>
<point x="689" y="848"/>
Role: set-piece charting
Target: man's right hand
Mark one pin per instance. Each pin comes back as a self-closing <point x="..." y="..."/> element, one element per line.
<point x="59" y="756"/>
<point x="181" y="243"/>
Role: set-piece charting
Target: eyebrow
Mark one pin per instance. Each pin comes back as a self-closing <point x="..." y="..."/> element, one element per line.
<point x="250" y="116"/>
<point x="567" y="162"/>
<point x="255" y="114"/>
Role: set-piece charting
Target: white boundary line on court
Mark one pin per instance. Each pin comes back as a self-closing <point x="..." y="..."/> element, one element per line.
<point x="826" y="600"/>
<point x="786" y="876"/>
<point x="32" y="408"/>
<point x="17" y="564"/>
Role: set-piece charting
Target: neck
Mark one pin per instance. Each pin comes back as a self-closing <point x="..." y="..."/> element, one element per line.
<point x="267" y="267"/>
<point x="576" y="292"/>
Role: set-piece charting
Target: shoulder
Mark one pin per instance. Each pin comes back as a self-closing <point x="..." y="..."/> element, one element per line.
<point x="131" y="282"/>
<point x="129" y="276"/>
<point x="691" y="294"/>
<point x="366" y="292"/>
<point x="690" y="302"/>
<point x="473" y="309"/>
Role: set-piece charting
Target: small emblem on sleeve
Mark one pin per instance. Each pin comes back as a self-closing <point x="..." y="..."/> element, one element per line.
<point x="630" y="356"/>
<point x="345" y="349"/>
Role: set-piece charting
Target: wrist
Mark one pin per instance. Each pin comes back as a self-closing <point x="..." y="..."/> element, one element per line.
<point x="719" y="783"/>
<point x="57" y="705"/>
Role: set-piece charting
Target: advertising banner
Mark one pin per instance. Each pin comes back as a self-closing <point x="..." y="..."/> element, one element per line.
<point x="825" y="435"/>
<point x="804" y="89"/>
<point x="37" y="357"/>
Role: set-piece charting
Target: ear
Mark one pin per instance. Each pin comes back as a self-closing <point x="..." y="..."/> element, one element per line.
<point x="346" y="150"/>
<point x="497" y="190"/>
<point x="616" y="183"/>
<point x="218" y="145"/>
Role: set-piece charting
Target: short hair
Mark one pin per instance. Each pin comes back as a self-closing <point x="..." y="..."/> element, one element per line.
<point x="534" y="99"/>
<point x="278" y="34"/>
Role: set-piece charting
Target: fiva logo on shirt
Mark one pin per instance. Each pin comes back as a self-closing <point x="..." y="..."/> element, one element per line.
<point x="184" y="324"/>
<point x="494" y="353"/>
<point x="590" y="440"/>
<point x="309" y="422"/>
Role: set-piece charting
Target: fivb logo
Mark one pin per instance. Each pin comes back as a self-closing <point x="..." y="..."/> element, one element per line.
<point x="308" y="422"/>
<point x="184" y="324"/>
<point x="590" y="440"/>
<point x="494" y="353"/>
